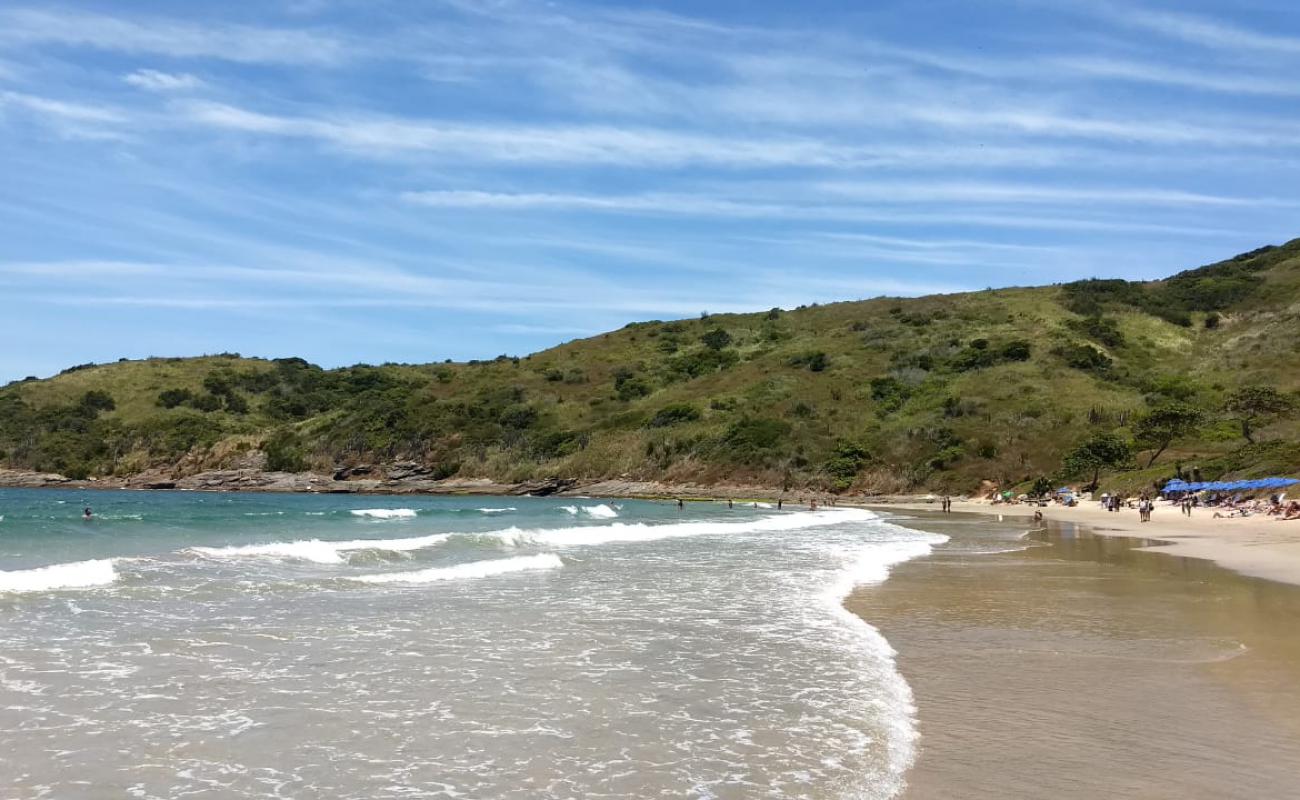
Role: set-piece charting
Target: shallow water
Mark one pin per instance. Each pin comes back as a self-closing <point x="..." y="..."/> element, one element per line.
<point x="215" y="645"/>
<point x="1068" y="665"/>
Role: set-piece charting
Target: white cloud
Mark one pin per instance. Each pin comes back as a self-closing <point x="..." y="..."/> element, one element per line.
<point x="152" y="80"/>
<point x="237" y="43"/>
<point x="383" y="136"/>
<point x="1204" y="31"/>
<point x="831" y="199"/>
<point x="46" y="106"/>
<point x="1147" y="72"/>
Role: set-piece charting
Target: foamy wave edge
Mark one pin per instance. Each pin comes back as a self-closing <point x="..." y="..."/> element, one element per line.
<point x="872" y="565"/>
<point x="472" y="569"/>
<point x="318" y="550"/>
<point x="384" y="513"/>
<point x="581" y="535"/>
<point x="72" y="575"/>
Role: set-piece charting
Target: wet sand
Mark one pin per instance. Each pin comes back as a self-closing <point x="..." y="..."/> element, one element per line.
<point x="1260" y="546"/>
<point x="1084" y="666"/>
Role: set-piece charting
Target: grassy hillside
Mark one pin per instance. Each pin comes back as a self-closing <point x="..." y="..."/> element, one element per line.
<point x="941" y="392"/>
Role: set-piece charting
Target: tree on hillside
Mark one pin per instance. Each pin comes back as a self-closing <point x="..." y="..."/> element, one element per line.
<point x="1165" y="423"/>
<point x="1097" y="452"/>
<point x="716" y="339"/>
<point x="1253" y="404"/>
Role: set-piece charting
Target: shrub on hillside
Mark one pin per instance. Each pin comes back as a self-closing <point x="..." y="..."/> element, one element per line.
<point x="1083" y="357"/>
<point x="716" y="339"/>
<point x="813" y="361"/>
<point x="171" y="398"/>
<point x="285" y="452"/>
<point x="889" y="393"/>
<point x="675" y="414"/>
<point x="753" y="440"/>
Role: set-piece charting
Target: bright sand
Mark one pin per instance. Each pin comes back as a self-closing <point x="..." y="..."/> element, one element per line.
<point x="1084" y="666"/>
<point x="1260" y="546"/>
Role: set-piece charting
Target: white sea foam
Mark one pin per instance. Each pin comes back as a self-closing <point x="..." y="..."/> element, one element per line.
<point x="871" y="565"/>
<point x="472" y="569"/>
<point x="642" y="532"/>
<point x="319" y="551"/>
<point x="601" y="511"/>
<point x="384" y="513"/>
<point x="72" y="575"/>
<point x="498" y="510"/>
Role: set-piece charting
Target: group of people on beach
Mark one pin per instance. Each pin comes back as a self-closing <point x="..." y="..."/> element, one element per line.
<point x="1145" y="505"/>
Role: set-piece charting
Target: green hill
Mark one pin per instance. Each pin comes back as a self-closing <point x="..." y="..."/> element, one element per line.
<point x="942" y="392"/>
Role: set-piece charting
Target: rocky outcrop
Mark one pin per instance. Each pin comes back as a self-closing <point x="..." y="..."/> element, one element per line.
<point x="545" y="487"/>
<point x="17" y="479"/>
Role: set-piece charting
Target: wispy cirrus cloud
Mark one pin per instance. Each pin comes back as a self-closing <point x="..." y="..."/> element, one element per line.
<point x="953" y="208"/>
<point x="60" y="109"/>
<point x="1228" y="81"/>
<point x="152" y="80"/>
<point x="1208" y="32"/>
<point x="168" y="37"/>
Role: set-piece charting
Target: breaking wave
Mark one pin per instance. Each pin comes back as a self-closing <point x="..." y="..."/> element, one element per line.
<point x="473" y="569"/>
<point x="384" y="513"/>
<point x="645" y="532"/>
<point x="72" y="575"/>
<point x="320" y="551"/>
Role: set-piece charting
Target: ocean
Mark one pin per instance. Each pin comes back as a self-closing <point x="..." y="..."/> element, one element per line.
<point x="256" y="645"/>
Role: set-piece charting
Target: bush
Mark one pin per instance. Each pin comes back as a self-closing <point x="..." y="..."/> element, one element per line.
<point x="1015" y="350"/>
<point x="700" y="362"/>
<point x="754" y="439"/>
<point x="1084" y="357"/>
<point x="285" y="452"/>
<point x="889" y="393"/>
<point x="206" y="402"/>
<point x="846" y="461"/>
<point x="1100" y="329"/>
<point x="716" y="339"/>
<point x="676" y="414"/>
<point x="171" y="398"/>
<point x="95" y="401"/>
<point x="814" y="361"/>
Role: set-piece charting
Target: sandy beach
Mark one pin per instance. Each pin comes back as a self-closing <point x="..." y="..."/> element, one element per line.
<point x="1047" y="661"/>
<point x="1261" y="547"/>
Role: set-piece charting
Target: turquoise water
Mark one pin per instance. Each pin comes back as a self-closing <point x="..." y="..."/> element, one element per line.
<point x="254" y="645"/>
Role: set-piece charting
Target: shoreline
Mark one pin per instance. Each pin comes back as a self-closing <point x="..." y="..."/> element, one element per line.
<point x="1032" y="665"/>
<point x="1257" y="547"/>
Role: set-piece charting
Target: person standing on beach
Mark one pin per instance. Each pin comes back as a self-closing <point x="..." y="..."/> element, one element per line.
<point x="780" y="501"/>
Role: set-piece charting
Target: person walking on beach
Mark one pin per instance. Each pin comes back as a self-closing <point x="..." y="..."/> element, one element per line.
<point x="780" y="501"/>
<point x="1187" y="506"/>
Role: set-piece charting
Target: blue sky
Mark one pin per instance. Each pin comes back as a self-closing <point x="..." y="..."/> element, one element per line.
<point x="359" y="180"/>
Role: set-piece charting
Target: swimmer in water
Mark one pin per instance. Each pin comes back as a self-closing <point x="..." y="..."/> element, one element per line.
<point x="87" y="513"/>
